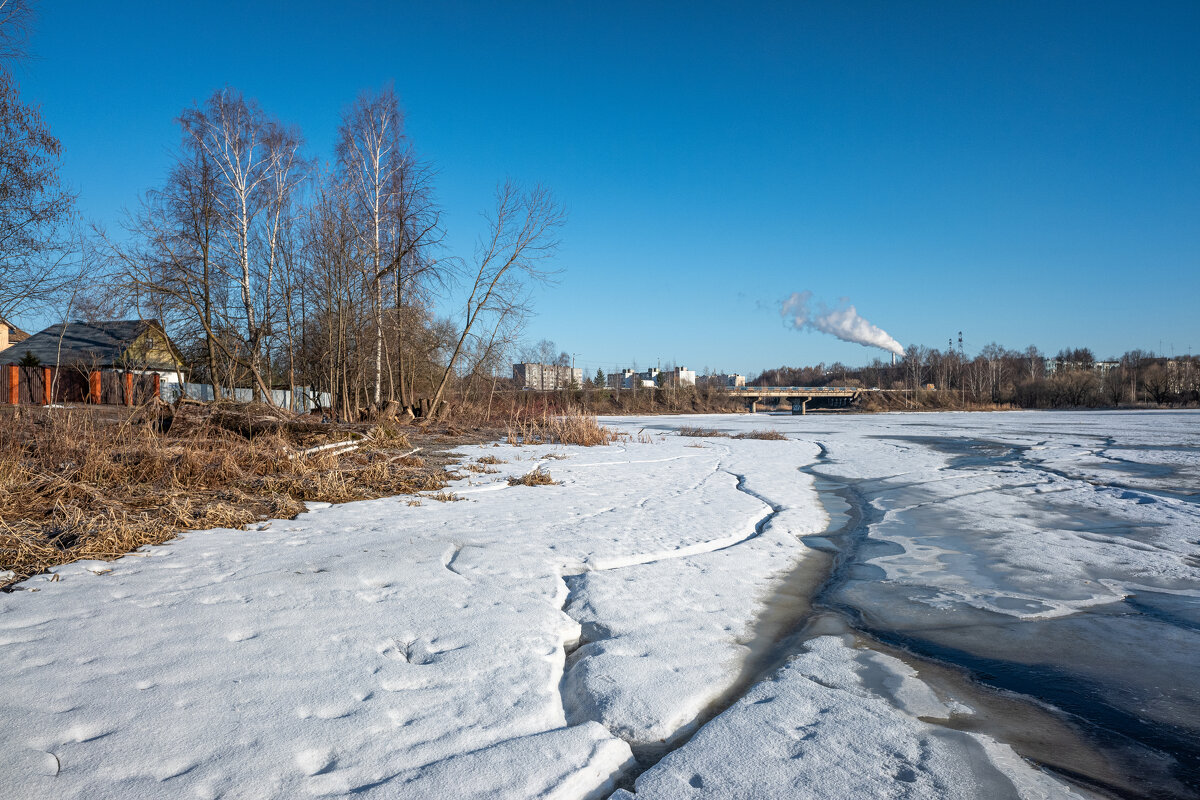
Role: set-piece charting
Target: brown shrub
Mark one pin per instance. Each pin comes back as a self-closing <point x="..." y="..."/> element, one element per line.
<point x="574" y="427"/>
<point x="762" y="433"/>
<point x="536" y="478"/>
<point x="691" y="430"/>
<point x="76" y="488"/>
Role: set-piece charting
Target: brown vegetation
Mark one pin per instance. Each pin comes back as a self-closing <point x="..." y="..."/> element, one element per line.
<point x="690" y="430"/>
<point x="762" y="433"/>
<point x="77" y="487"/>
<point x="443" y="497"/>
<point x="573" y="427"/>
<point x="538" y="477"/>
<point x="593" y="400"/>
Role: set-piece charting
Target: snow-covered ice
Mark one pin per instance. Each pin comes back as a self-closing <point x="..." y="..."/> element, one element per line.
<point x="835" y="723"/>
<point x="528" y="642"/>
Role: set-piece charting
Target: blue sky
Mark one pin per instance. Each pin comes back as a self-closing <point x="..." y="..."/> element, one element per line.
<point x="1028" y="173"/>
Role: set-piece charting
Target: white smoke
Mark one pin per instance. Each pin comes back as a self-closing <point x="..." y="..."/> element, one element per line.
<point x="842" y="322"/>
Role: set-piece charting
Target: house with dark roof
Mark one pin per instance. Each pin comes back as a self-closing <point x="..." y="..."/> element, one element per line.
<point x="130" y="345"/>
<point x="10" y="334"/>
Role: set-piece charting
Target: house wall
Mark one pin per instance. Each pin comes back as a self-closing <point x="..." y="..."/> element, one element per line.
<point x="152" y="352"/>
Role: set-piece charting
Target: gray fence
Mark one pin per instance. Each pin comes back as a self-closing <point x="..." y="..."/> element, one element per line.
<point x="300" y="398"/>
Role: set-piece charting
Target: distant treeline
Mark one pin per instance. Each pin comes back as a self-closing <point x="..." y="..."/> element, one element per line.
<point x="1026" y="379"/>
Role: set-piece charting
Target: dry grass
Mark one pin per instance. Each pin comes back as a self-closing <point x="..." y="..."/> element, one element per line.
<point x="691" y="430"/>
<point x="75" y="488"/>
<point x="763" y="433"/>
<point x="572" y="428"/>
<point x="536" y="478"/>
<point x="481" y="469"/>
<point x="443" y="497"/>
<point x="79" y="485"/>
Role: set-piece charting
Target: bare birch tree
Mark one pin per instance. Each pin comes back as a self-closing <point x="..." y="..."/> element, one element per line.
<point x="522" y="237"/>
<point x="286" y="171"/>
<point x="371" y="149"/>
<point x="392" y="196"/>
<point x="235" y="135"/>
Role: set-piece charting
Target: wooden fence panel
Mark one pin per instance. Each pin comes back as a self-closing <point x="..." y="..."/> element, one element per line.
<point x="144" y="388"/>
<point x="112" y="388"/>
<point x="73" y="385"/>
<point x="70" y="385"/>
<point x="33" y="385"/>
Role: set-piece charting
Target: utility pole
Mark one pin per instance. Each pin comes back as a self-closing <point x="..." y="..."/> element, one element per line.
<point x="962" y="370"/>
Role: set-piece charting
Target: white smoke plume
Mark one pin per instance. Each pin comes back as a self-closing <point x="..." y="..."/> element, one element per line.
<point x="842" y="322"/>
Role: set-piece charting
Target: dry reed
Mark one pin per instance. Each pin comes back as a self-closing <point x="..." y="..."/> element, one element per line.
<point x="76" y="488"/>
<point x="691" y="430"/>
<point x="763" y="433"/>
<point x="574" y="427"/>
<point x="536" y="478"/>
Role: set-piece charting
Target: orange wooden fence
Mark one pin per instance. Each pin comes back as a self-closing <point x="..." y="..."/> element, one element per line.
<point x="47" y="385"/>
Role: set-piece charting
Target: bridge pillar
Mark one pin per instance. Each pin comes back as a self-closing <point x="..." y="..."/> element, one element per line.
<point x="800" y="405"/>
<point x="753" y="406"/>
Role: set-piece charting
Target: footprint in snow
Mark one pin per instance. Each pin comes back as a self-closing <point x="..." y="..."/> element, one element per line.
<point x="409" y="650"/>
<point x="86" y="733"/>
<point x="337" y="710"/>
<point x="316" y="761"/>
<point x="174" y="767"/>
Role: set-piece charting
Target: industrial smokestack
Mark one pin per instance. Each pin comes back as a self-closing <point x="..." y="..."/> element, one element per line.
<point x="893" y="359"/>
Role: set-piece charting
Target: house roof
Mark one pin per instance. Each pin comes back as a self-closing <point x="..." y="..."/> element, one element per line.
<point x="98" y="344"/>
<point x="15" y="334"/>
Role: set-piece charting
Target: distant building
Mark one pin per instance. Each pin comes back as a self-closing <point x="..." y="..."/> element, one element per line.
<point x="721" y="381"/>
<point x="1183" y="374"/>
<point x="679" y="376"/>
<point x="621" y="380"/>
<point x="629" y="379"/>
<point x="1054" y="365"/>
<point x="546" y="377"/>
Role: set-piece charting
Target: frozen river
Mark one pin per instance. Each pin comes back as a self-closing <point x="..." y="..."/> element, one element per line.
<point x="920" y="605"/>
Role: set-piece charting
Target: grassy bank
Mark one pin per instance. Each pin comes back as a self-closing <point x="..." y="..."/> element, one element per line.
<point x="97" y="483"/>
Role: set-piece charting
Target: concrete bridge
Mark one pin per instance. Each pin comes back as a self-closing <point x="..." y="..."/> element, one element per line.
<point x="798" y="396"/>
